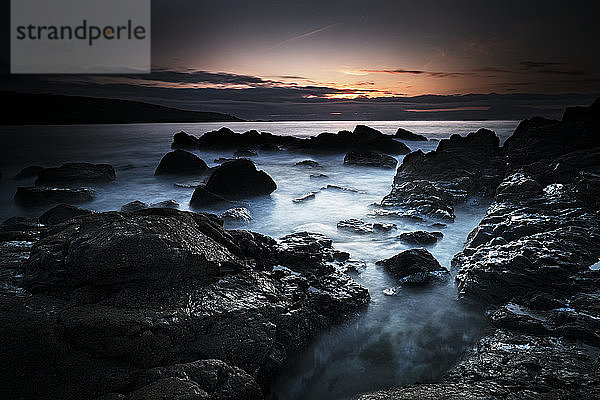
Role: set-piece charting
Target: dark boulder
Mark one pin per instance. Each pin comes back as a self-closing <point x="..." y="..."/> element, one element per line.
<point x="132" y="206"/>
<point x="183" y="140"/>
<point x="225" y="138"/>
<point x="414" y="266"/>
<point x="359" y="226"/>
<point x="76" y="174"/>
<point x="238" y="179"/>
<point x="180" y="162"/>
<point x="421" y="238"/>
<point x="40" y="196"/>
<point x="404" y="134"/>
<point x="204" y="198"/>
<point x="244" y="153"/>
<point x="308" y="164"/>
<point x="28" y="172"/>
<point x="237" y="214"/>
<point x="370" y="159"/>
<point x="62" y="213"/>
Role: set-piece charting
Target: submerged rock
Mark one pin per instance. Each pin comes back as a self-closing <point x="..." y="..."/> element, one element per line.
<point x="415" y="266"/>
<point x="370" y="159"/>
<point x="40" y="196"/>
<point x="318" y="176"/>
<point x="237" y="214"/>
<point x="360" y="226"/>
<point x="28" y="172"/>
<point x="305" y="197"/>
<point x="408" y="135"/>
<point x="62" y="213"/>
<point x="238" y="179"/>
<point x="421" y="238"/>
<point x="308" y="164"/>
<point x="72" y="174"/>
<point x="180" y="162"/>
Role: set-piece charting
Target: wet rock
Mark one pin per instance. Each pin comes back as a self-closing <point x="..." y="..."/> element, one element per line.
<point x="28" y="172"/>
<point x="237" y="214"/>
<point x="587" y="185"/>
<point x="340" y="188"/>
<point x="183" y="140"/>
<point x="238" y="179"/>
<point x="518" y="186"/>
<point x="360" y="226"/>
<point x="308" y="164"/>
<point x="415" y="266"/>
<point x="244" y="152"/>
<point x="180" y="162"/>
<point x="404" y="134"/>
<point x="421" y="238"/>
<point x="225" y="138"/>
<point x="307" y="251"/>
<point x="370" y="159"/>
<point x="318" y="176"/>
<point x="135" y="205"/>
<point x="72" y="174"/>
<point x="205" y="198"/>
<point x="165" y="204"/>
<point x="40" y="196"/>
<point x="222" y="160"/>
<point x="269" y="147"/>
<point x="62" y="213"/>
<point x="460" y="166"/>
<point x="363" y="139"/>
<point x="305" y="197"/>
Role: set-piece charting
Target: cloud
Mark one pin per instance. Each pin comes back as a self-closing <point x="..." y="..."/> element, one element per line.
<point x="419" y="72"/>
<point x="539" y="64"/>
<point x="305" y="35"/>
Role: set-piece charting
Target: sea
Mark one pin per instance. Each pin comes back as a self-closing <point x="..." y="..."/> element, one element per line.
<point x="405" y="335"/>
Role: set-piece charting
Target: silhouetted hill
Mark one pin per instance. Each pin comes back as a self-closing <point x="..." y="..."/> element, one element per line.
<point x="36" y="109"/>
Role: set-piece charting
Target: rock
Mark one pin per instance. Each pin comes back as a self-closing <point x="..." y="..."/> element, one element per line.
<point x="421" y="238"/>
<point x="360" y="226"/>
<point x="165" y="204"/>
<point x="225" y="138"/>
<point x="238" y="179"/>
<point x="40" y="196"/>
<point x="72" y="174"/>
<point x="415" y="266"/>
<point x="244" y="152"/>
<point x="363" y="139"/>
<point x="460" y="166"/>
<point x="180" y="162"/>
<point x="340" y="188"/>
<point x="222" y="160"/>
<point x="237" y="214"/>
<point x="308" y="164"/>
<point x="62" y="213"/>
<point x="269" y="147"/>
<point x="204" y="198"/>
<point x="370" y="160"/>
<point x="408" y="135"/>
<point x="122" y="318"/>
<point x="518" y="186"/>
<point x="305" y="197"/>
<point x="318" y="176"/>
<point x="28" y="172"/>
<point x="183" y="140"/>
<point x="135" y="205"/>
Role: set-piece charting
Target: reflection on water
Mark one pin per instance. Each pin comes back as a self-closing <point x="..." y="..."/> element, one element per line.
<point x="411" y="336"/>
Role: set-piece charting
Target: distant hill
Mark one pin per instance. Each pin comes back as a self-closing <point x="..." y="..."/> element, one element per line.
<point x="48" y="109"/>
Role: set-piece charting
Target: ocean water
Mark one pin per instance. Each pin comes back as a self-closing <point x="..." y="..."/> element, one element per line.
<point x="411" y="336"/>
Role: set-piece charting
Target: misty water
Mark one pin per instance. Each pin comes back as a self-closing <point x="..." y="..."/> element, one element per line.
<point x="413" y="335"/>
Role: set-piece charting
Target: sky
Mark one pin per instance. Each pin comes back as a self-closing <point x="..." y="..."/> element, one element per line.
<point x="359" y="59"/>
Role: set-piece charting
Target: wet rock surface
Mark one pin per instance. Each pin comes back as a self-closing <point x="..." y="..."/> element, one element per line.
<point x="160" y="303"/>
<point x="527" y="265"/>
<point x="421" y="238"/>
<point x="370" y="159"/>
<point x="414" y="266"/>
<point x="408" y="135"/>
<point x="360" y="226"/>
<point x="62" y="213"/>
<point x="237" y="214"/>
<point x="42" y="196"/>
<point x="204" y="198"/>
<point x="430" y="184"/>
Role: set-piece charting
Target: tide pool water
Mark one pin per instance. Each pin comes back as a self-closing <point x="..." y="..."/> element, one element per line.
<point x="413" y="335"/>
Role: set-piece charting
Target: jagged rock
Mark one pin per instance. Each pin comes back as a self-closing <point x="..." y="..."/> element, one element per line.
<point x="76" y="174"/>
<point x="183" y="140"/>
<point x="363" y="139"/>
<point x="240" y="178"/>
<point x="222" y="160"/>
<point x="370" y="159"/>
<point x="40" y="196"/>
<point x="415" y="266"/>
<point x="204" y="198"/>
<point x="360" y="226"/>
<point x="244" y="152"/>
<point x="421" y="197"/>
<point x="180" y="162"/>
<point x="237" y="214"/>
<point x="308" y="164"/>
<point x="225" y="138"/>
<point x="165" y="204"/>
<point x="135" y="205"/>
<point x="62" y="213"/>
<point x="421" y="238"/>
<point x="408" y="135"/>
<point x="28" y="172"/>
<point x="518" y="186"/>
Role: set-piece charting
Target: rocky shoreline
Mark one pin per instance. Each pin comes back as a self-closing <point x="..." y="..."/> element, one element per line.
<point x="152" y="302"/>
